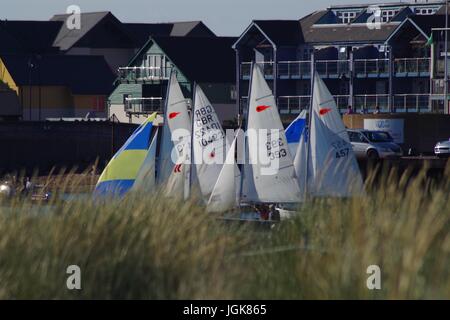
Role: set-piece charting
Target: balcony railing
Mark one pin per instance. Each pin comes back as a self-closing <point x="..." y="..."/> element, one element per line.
<point x="363" y="68"/>
<point x="371" y="67"/>
<point x="294" y="69"/>
<point x="143" y="73"/>
<point x="366" y="103"/>
<point x="332" y="68"/>
<point x="144" y="105"/>
<point x="412" y="102"/>
<point x="369" y="102"/>
<point x="267" y="68"/>
<point x="412" y="66"/>
<point x="295" y="104"/>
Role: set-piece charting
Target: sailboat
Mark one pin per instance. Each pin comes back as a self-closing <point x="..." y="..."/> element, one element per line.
<point x="295" y="130"/>
<point x="223" y="197"/>
<point x="269" y="174"/>
<point x="146" y="177"/>
<point x="175" y="155"/>
<point x="122" y="170"/>
<point x="334" y="169"/>
<point x="208" y="143"/>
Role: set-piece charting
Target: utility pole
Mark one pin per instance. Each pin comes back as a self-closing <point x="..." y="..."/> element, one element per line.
<point x="446" y="60"/>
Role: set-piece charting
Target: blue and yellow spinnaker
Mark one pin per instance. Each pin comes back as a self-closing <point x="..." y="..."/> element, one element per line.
<point x="121" y="172"/>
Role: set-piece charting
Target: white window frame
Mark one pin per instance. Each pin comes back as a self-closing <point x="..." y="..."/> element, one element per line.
<point x="158" y="66"/>
<point x="425" y="11"/>
<point x="388" y="14"/>
<point x="347" y="17"/>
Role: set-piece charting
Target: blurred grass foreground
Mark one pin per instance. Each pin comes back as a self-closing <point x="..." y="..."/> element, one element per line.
<point x="148" y="247"/>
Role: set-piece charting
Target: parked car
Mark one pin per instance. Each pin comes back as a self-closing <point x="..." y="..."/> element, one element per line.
<point x="442" y="149"/>
<point x="373" y="145"/>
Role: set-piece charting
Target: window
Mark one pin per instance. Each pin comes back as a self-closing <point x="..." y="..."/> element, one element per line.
<point x="387" y="15"/>
<point x="425" y="11"/>
<point x="347" y="16"/>
<point x="158" y="66"/>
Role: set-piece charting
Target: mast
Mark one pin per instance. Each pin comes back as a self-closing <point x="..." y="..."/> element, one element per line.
<point x="446" y="109"/>
<point x="308" y="144"/>
<point x="191" y="157"/>
<point x="245" y="118"/>
<point x="166" y="101"/>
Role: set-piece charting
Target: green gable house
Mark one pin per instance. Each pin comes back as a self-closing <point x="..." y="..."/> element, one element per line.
<point x="141" y="86"/>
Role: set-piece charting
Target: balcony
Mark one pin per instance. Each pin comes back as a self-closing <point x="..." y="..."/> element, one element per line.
<point x="412" y="102"/>
<point x="369" y="102"/>
<point x="333" y="69"/>
<point x="412" y="67"/>
<point x="371" y="68"/>
<point x="365" y="103"/>
<point x="294" y="69"/>
<point x="267" y="68"/>
<point x="144" y="105"/>
<point x="143" y="74"/>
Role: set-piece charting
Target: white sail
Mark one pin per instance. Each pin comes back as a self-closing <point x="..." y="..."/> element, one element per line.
<point x="145" y="179"/>
<point x="175" y="185"/>
<point x="208" y="143"/>
<point x="223" y="197"/>
<point x="334" y="168"/>
<point x="179" y="123"/>
<point x="273" y="172"/>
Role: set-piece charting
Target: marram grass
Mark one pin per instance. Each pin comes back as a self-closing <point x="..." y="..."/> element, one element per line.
<point x="150" y="247"/>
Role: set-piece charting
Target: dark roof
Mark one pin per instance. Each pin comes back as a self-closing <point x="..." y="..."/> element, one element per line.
<point x="67" y="38"/>
<point x="143" y="31"/>
<point x="28" y="36"/>
<point x="313" y="33"/>
<point x="281" y="32"/>
<point x="83" y="74"/>
<point x="427" y="22"/>
<point x="98" y="30"/>
<point x="201" y="59"/>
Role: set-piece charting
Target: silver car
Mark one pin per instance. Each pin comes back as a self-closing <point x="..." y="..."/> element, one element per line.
<point x="442" y="149"/>
<point x="374" y="145"/>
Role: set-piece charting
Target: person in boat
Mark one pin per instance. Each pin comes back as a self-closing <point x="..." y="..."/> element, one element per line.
<point x="263" y="211"/>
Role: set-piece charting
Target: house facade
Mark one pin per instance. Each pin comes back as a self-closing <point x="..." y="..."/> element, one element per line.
<point x="141" y="86"/>
<point x="50" y="70"/>
<point x="368" y="56"/>
<point x="53" y="86"/>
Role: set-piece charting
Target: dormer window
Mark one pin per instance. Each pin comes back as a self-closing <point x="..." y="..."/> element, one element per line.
<point x="425" y="11"/>
<point x="346" y="16"/>
<point x="387" y="15"/>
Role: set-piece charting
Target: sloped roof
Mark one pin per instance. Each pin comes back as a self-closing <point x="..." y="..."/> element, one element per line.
<point x="142" y="31"/>
<point x="281" y="32"/>
<point x="28" y="36"/>
<point x="67" y="38"/>
<point x="342" y="32"/>
<point x="427" y="22"/>
<point x="83" y="74"/>
<point x="201" y="59"/>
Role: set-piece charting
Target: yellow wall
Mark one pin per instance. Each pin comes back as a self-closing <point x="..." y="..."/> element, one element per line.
<point x="5" y="77"/>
